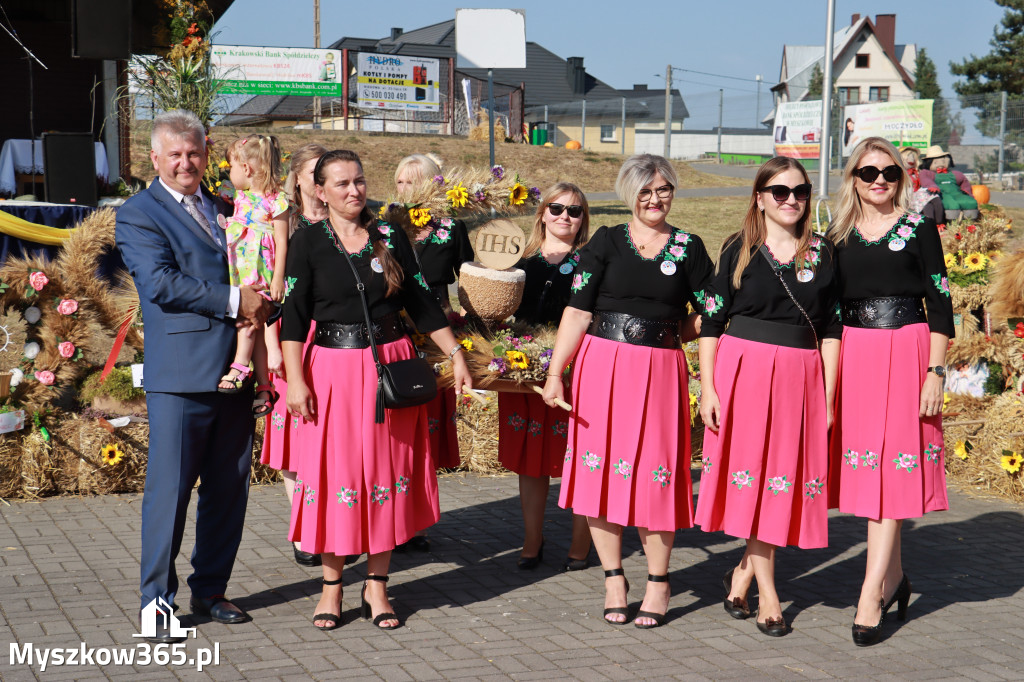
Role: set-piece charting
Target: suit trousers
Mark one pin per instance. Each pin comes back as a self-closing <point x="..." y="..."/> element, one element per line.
<point x="195" y="436"/>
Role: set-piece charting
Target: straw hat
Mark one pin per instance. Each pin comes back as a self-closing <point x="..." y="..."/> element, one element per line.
<point x="935" y="152"/>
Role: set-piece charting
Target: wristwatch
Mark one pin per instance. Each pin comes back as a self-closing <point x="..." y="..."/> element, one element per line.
<point x="939" y="371"/>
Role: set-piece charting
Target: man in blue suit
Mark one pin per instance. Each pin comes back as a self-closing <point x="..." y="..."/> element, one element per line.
<point x="174" y="248"/>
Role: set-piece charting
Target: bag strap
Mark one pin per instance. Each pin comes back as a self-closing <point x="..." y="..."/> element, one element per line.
<point x="778" y="273"/>
<point x="366" y="307"/>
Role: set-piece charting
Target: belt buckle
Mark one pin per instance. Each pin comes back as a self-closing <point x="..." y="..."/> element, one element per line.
<point x="634" y="329"/>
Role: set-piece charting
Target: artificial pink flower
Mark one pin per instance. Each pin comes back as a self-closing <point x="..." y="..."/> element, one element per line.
<point x="67" y="306"/>
<point x="66" y="349"/>
<point x="45" y="377"/>
<point x="38" y="280"/>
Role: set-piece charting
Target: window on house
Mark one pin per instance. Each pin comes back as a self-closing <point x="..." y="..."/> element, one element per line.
<point x="608" y="133"/>
<point x="878" y="94"/>
<point x="863" y="61"/>
<point x="849" y="96"/>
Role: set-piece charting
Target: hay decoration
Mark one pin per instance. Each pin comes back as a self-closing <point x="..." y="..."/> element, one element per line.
<point x="13" y="333"/>
<point x="461" y="192"/>
<point x="1007" y="290"/>
<point x="989" y="427"/>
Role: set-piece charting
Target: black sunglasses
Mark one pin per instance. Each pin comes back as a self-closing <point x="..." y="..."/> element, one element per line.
<point x="870" y="173"/>
<point x="574" y="211"/>
<point x="782" y="192"/>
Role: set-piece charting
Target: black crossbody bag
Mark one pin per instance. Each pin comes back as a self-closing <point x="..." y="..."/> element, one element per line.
<point x="403" y="383"/>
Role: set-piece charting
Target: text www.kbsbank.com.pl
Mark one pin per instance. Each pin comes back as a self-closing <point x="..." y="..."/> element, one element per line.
<point x="142" y="653"/>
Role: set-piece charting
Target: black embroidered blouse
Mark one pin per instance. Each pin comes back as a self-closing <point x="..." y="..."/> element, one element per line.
<point x="547" y="288"/>
<point x="443" y="251"/>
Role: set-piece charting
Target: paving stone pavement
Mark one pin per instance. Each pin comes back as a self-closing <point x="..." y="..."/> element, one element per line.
<point x="69" y="573"/>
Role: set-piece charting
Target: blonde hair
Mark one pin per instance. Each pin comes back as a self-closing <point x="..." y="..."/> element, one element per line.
<point x="263" y="154"/>
<point x="848" y="210"/>
<point x="539" y="232"/>
<point x="426" y="166"/>
<point x="300" y="158"/>
<point x="754" y="230"/>
<point x="637" y="171"/>
<point x="910" y="154"/>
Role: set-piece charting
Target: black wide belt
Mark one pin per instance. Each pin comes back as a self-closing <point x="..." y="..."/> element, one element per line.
<point x="776" y="333"/>
<point x="889" y="312"/>
<point x="637" y="331"/>
<point x="344" y="335"/>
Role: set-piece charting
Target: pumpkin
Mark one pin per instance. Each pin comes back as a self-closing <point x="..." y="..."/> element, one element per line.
<point x="981" y="193"/>
<point x="573" y="144"/>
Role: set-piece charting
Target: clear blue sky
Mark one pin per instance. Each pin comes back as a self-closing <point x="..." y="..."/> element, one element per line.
<point x="623" y="43"/>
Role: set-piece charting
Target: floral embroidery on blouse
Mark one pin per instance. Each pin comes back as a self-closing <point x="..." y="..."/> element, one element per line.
<point x="814" y="487"/>
<point x="443" y="233"/>
<point x="711" y="303"/>
<point x="277" y="419"/>
<point x="289" y="284"/>
<point x="870" y="459"/>
<point x="592" y="460"/>
<point x="676" y="252"/>
<point x="580" y="281"/>
<point x="742" y="478"/>
<point x="624" y="469"/>
<point x="402" y="485"/>
<point x="779" y="484"/>
<point x="851" y="457"/>
<point x="380" y="495"/>
<point x="662" y="475"/>
<point x="941" y="283"/>
<point x="348" y="496"/>
<point x="932" y="453"/>
<point x="423" y="283"/>
<point x="905" y="461"/>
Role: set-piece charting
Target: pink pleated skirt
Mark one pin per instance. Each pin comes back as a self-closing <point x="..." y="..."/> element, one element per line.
<point x="444" y="437"/>
<point x="281" y="427"/>
<point x="764" y="472"/>
<point x="628" y="452"/>
<point x="887" y="462"/>
<point x="531" y="435"/>
<point x="361" y="487"/>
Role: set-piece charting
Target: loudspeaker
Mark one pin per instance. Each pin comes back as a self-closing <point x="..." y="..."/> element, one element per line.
<point x="101" y="29"/>
<point x="69" y="163"/>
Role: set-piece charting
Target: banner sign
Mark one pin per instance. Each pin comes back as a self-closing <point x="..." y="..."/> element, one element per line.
<point x="278" y="70"/>
<point x="391" y="81"/>
<point x="798" y="129"/>
<point x="905" y="124"/>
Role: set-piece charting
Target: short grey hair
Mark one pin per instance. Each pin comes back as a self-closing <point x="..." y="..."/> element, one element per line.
<point x="177" y="122"/>
<point x="638" y="171"/>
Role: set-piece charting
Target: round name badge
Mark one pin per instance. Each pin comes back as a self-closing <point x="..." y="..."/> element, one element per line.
<point x="804" y="275"/>
<point x="668" y="268"/>
<point x="565" y="268"/>
<point x="376" y="266"/>
<point x="897" y="245"/>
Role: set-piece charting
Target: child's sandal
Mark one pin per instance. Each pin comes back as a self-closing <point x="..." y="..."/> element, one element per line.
<point x="240" y="381"/>
<point x="261" y="407"/>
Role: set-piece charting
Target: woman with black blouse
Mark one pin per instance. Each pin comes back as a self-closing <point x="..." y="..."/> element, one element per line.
<point x="531" y="435"/>
<point x="628" y="456"/>
<point x="766" y="401"/>
<point x="363" y="486"/>
<point x="887" y="449"/>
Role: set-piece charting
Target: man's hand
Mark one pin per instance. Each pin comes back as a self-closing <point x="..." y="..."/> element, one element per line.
<point x="253" y="309"/>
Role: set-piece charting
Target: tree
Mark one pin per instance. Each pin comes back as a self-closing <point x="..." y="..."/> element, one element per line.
<point x="817" y="80"/>
<point x="926" y="86"/>
<point x="985" y="77"/>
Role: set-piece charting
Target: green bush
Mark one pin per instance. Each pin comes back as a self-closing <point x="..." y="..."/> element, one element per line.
<point x="118" y="386"/>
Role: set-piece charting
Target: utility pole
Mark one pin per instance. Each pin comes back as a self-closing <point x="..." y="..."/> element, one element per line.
<point x="825" y="156"/>
<point x="720" y="108"/>
<point x="757" y="107"/>
<point x="1002" y="135"/>
<point x="316" y="43"/>
<point x="668" y="112"/>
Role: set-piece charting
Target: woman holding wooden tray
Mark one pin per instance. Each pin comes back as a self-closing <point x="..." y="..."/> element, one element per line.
<point x="532" y="436"/>
<point x="628" y="456"/>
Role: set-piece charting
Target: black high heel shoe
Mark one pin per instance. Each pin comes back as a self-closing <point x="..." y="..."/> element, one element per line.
<point x="866" y="635"/>
<point x="528" y="563"/>
<point x="737" y="608"/>
<point x="773" y="627"/>
<point x="305" y="558"/>
<point x="621" y="610"/>
<point x="658" y="618"/>
<point x="367" y="612"/>
<point x="901" y="597"/>
<point x="333" y="618"/>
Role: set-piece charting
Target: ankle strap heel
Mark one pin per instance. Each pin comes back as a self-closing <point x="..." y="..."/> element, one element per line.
<point x="657" y="578"/>
<point x="325" y="581"/>
<point x="611" y="573"/>
<point x="378" y="578"/>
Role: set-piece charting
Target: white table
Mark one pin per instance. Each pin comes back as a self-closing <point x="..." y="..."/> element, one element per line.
<point x="15" y="155"/>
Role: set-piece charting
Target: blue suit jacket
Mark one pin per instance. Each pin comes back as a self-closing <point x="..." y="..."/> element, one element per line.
<point x="182" y="278"/>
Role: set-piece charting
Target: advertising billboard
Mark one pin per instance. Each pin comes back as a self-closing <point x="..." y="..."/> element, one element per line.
<point x="392" y="81"/>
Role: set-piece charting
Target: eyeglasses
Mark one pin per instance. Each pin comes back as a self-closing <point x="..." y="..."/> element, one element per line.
<point x="664" y="192"/>
<point x="574" y="211"/>
<point x="782" y="192"/>
<point x="870" y="173"/>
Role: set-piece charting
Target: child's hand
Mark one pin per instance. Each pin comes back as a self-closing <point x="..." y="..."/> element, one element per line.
<point x="277" y="290"/>
<point x="275" y="361"/>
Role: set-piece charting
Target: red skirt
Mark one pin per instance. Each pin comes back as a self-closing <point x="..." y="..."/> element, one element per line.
<point x="628" y="454"/>
<point x="361" y="487"/>
<point x="444" y="437"/>
<point x="531" y="435"/>
<point x="765" y="470"/>
<point x="887" y="462"/>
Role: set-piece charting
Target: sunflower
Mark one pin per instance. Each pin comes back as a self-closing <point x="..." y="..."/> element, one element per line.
<point x="517" y="195"/>
<point x="457" y="195"/>
<point x="466" y="343"/>
<point x="945" y="401"/>
<point x="950" y="260"/>
<point x="1010" y="462"/>
<point x="975" y="261"/>
<point x="962" y="449"/>
<point x="382" y="212"/>
<point x="517" y="359"/>
<point x="419" y="216"/>
<point x="111" y="455"/>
